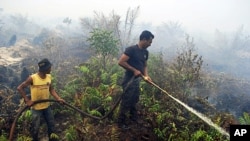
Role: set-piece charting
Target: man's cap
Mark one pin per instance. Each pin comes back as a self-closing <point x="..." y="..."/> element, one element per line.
<point x="44" y="65"/>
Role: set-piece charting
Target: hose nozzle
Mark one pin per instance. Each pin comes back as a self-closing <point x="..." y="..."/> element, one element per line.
<point x="147" y="79"/>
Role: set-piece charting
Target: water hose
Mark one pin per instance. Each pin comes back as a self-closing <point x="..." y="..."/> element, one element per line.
<point x="69" y="106"/>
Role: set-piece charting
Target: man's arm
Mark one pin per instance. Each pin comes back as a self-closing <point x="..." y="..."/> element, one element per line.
<point x="123" y="61"/>
<point x="21" y="90"/>
<point x="145" y="69"/>
<point x="55" y="95"/>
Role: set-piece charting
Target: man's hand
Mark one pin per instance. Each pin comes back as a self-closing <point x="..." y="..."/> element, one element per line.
<point x="147" y="79"/>
<point x="137" y="73"/>
<point x="61" y="100"/>
<point x="29" y="102"/>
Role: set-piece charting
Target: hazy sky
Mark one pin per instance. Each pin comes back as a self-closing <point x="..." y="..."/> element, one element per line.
<point x="195" y="14"/>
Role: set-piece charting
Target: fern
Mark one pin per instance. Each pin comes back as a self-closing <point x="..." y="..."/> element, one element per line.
<point x="201" y="135"/>
<point x="154" y="108"/>
<point x="71" y="134"/>
<point x="84" y="69"/>
<point x="114" y="79"/>
<point x="245" y="119"/>
<point x="23" y="138"/>
<point x="95" y="113"/>
<point x="53" y="136"/>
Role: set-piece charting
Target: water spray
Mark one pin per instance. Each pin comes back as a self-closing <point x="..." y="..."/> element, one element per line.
<point x="200" y="115"/>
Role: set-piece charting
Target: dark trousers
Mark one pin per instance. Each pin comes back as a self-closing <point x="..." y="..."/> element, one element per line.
<point x="36" y="118"/>
<point x="129" y="100"/>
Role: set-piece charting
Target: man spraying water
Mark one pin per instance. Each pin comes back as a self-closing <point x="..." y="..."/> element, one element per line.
<point x="134" y="61"/>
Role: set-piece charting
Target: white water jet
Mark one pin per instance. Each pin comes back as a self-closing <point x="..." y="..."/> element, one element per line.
<point x="200" y="115"/>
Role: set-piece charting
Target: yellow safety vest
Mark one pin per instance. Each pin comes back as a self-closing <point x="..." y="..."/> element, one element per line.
<point x="40" y="90"/>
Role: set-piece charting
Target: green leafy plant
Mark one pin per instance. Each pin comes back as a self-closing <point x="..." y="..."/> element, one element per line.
<point x="23" y="138"/>
<point x="3" y="136"/>
<point x="71" y="133"/>
<point x="54" y="136"/>
<point x="245" y="119"/>
<point x="104" y="43"/>
<point x="161" y="133"/>
<point x="186" y="69"/>
<point x="23" y="123"/>
<point x="201" y="135"/>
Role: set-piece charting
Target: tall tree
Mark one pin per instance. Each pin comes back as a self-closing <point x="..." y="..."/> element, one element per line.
<point x="125" y="37"/>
